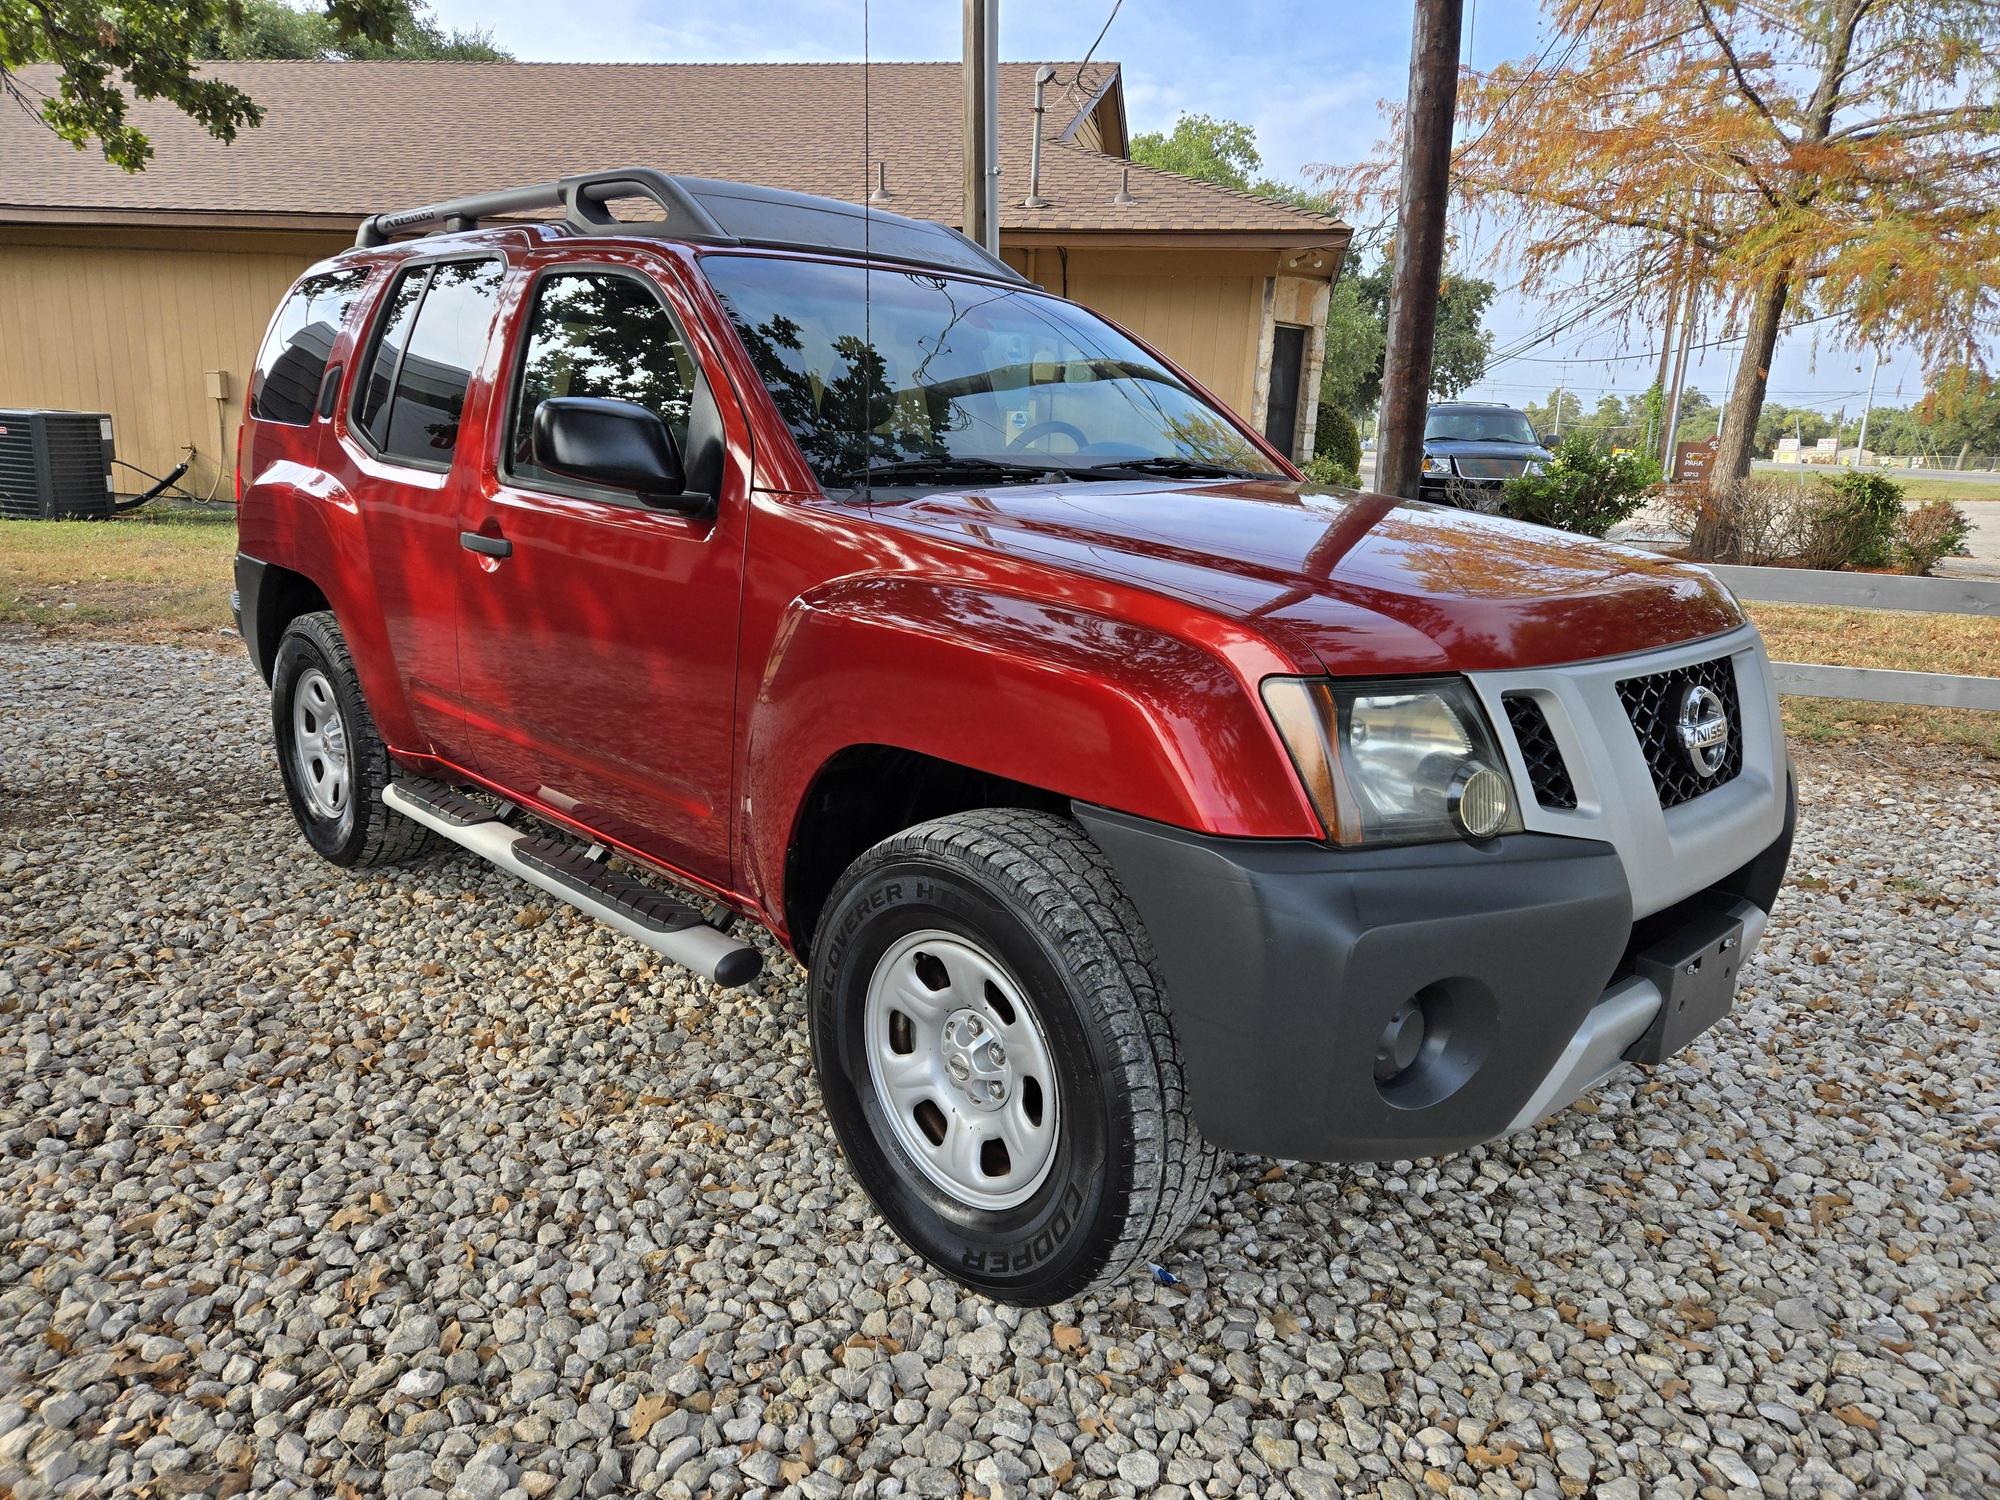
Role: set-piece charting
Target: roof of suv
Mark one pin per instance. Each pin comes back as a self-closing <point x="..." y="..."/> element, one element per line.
<point x="705" y="211"/>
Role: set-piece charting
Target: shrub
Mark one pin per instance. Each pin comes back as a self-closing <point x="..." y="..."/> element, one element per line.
<point x="1583" y="488"/>
<point x="1758" y="520"/>
<point x="1931" y="532"/>
<point x="1321" y="469"/>
<point x="1335" y="437"/>
<point x="1854" y="521"/>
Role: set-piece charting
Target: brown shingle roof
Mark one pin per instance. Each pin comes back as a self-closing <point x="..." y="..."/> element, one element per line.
<point x="347" y="139"/>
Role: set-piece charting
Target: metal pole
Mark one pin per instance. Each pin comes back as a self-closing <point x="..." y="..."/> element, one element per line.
<point x="1035" y="199"/>
<point x="1419" y="254"/>
<point x="981" y="69"/>
<point x="1680" y="377"/>
<point x="1861" y="444"/>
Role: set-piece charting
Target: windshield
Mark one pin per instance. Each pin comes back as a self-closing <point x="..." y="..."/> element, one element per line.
<point x="949" y="372"/>
<point x="1472" y="425"/>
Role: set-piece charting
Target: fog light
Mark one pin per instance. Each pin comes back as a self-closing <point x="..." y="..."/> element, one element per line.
<point x="1480" y="801"/>
<point x="1402" y="1039"/>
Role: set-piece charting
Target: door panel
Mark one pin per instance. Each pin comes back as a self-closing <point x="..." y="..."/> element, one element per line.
<point x="599" y="655"/>
<point x="398" y="443"/>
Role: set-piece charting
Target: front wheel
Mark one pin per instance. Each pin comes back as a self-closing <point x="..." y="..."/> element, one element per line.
<point x="332" y="758"/>
<point x="997" y="1059"/>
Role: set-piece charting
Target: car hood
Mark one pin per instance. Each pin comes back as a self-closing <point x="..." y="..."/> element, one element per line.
<point x="1357" y="582"/>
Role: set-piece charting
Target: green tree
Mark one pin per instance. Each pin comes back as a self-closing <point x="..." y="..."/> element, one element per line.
<point x="1225" y="152"/>
<point x="106" y="56"/>
<point x="1357" y="324"/>
<point x="274" y="29"/>
<point x="1220" y="151"/>
<point x="1961" y="410"/>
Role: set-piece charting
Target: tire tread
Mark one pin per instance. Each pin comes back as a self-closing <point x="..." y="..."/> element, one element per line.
<point x="1050" y="867"/>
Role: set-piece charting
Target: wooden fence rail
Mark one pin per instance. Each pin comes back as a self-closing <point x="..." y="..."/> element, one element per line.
<point x="1931" y="596"/>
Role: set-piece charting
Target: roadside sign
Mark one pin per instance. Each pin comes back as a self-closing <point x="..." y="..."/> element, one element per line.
<point x="1692" y="460"/>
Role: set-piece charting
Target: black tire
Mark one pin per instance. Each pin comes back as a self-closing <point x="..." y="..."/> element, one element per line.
<point x="366" y="833"/>
<point x="1129" y="1169"/>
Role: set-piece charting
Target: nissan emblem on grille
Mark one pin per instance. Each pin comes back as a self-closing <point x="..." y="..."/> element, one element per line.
<point x="1704" y="729"/>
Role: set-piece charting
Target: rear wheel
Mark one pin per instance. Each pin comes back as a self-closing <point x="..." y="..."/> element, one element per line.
<point x="332" y="759"/>
<point x="997" y="1059"/>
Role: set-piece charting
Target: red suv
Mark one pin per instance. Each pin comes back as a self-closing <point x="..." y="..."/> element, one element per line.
<point x="1129" y="799"/>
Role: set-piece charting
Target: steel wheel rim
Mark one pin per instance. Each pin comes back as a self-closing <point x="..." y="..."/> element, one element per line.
<point x="319" y="747"/>
<point x="962" y="1069"/>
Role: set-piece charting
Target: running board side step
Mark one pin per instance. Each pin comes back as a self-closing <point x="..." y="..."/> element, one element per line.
<point x="638" y="911"/>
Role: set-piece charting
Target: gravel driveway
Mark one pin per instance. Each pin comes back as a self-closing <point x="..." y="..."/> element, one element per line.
<point x="412" y="1185"/>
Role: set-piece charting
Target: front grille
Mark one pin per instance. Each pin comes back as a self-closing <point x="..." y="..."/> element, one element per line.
<point x="1653" y="704"/>
<point x="1490" y="468"/>
<point x="1548" y="776"/>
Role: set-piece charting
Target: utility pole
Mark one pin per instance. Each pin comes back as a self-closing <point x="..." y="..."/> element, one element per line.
<point x="1680" y="374"/>
<point x="981" y="69"/>
<point x="1861" y="443"/>
<point x="1419" y="255"/>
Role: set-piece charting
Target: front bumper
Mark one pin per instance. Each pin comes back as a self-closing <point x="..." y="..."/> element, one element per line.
<point x="1284" y="961"/>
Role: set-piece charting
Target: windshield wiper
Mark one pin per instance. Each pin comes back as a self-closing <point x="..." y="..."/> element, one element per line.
<point x="945" y="468"/>
<point x="1171" y="468"/>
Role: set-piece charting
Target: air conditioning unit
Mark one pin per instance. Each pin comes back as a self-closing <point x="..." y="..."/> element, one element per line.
<point x="55" y="465"/>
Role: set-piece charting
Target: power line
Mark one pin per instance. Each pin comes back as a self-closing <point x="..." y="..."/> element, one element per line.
<point x="1606" y="359"/>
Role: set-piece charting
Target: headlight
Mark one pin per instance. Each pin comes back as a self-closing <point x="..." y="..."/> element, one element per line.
<point x="1433" y="465"/>
<point x="1391" y="763"/>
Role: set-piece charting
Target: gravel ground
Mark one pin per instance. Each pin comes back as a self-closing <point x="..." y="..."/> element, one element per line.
<point x="410" y="1185"/>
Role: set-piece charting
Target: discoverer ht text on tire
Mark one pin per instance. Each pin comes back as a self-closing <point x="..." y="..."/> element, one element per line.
<point x="333" y="761"/>
<point x="997" y="1059"/>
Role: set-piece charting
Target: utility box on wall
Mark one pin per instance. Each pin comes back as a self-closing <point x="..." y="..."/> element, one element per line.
<point x="55" y="465"/>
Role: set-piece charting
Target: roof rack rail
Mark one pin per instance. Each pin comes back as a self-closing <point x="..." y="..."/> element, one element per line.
<point x="582" y="199"/>
<point x="707" y="211"/>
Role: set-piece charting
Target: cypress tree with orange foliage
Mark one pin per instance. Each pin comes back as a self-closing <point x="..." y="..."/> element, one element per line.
<point x="1833" y="162"/>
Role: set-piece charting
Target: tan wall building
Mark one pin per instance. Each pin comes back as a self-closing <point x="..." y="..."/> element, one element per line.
<point x="145" y="296"/>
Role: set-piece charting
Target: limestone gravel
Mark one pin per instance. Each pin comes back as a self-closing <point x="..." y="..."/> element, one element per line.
<point x="409" y="1184"/>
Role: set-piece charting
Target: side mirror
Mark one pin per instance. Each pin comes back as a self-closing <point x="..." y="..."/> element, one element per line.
<point x="613" y="443"/>
<point x="1550" y="439"/>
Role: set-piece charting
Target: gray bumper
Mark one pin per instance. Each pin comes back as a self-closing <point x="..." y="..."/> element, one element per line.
<point x="1284" y="961"/>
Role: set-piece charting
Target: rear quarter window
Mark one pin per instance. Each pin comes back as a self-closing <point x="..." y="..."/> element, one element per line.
<point x="284" y="387"/>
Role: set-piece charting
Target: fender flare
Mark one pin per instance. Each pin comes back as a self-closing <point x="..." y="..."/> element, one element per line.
<point x="1051" y="694"/>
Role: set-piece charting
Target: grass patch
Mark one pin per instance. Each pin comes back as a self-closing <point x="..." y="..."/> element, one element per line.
<point x="1968" y="644"/>
<point x="1951" y="489"/>
<point x="161" y="573"/>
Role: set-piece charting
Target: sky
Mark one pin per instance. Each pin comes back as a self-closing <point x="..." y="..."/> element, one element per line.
<point x="1308" y="76"/>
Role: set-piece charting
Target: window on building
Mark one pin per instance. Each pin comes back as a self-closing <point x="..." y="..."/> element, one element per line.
<point x="284" y="387"/>
<point x="601" y="334"/>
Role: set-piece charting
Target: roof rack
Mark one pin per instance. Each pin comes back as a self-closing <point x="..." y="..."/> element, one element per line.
<point x="707" y="211"/>
<point x="581" y="198"/>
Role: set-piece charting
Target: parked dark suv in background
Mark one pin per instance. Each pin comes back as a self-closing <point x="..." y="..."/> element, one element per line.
<point x="1471" y="448"/>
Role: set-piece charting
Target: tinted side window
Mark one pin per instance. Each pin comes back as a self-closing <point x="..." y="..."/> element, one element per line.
<point x="379" y="378"/>
<point x="445" y="346"/>
<point x="285" y="384"/>
<point x="599" y="334"/>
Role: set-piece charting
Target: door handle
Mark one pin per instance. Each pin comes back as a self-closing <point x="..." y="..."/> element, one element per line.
<point x="489" y="546"/>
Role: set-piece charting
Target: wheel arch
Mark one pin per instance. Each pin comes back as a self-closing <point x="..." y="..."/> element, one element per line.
<point x="272" y="597"/>
<point x="987" y="698"/>
<point x="866" y="793"/>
